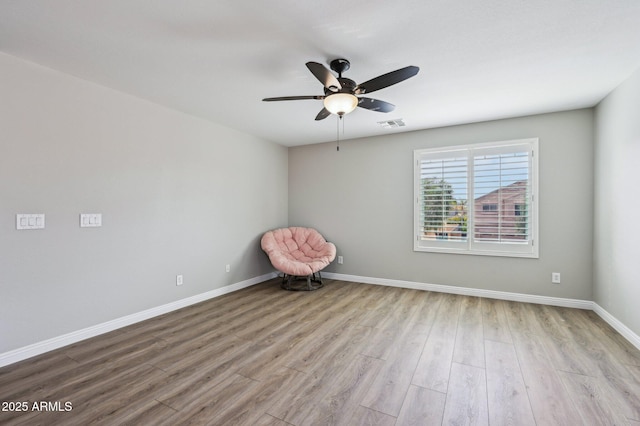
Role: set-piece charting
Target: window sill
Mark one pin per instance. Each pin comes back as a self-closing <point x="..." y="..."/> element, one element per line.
<point x="495" y="253"/>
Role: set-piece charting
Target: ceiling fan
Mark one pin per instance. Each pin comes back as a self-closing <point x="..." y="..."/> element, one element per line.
<point x="342" y="95"/>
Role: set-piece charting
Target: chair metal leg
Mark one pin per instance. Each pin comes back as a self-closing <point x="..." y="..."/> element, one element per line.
<point x="310" y="279"/>
<point x="286" y="282"/>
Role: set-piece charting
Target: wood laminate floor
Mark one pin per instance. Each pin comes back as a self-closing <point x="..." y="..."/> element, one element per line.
<point x="348" y="354"/>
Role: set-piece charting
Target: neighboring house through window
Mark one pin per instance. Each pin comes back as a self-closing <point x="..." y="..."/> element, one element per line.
<point x="477" y="199"/>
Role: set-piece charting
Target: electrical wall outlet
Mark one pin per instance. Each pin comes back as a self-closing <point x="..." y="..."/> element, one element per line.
<point x="340" y="260"/>
<point x="179" y="280"/>
<point x="228" y="268"/>
<point x="555" y="277"/>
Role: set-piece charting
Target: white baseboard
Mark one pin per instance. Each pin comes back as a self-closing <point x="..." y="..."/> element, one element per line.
<point x="466" y="291"/>
<point x="76" y="336"/>
<point x="627" y="333"/>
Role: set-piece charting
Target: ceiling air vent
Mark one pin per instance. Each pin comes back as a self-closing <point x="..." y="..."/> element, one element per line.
<point x="392" y="124"/>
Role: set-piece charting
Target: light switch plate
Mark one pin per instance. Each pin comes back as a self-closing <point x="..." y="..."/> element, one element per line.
<point x="29" y="221"/>
<point x="90" y="220"/>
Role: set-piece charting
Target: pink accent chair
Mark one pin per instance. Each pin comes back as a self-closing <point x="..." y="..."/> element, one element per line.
<point x="298" y="252"/>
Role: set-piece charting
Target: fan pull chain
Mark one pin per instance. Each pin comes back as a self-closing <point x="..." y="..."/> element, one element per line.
<point x="338" y="131"/>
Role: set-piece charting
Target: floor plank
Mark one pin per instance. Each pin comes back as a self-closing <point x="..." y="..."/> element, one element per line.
<point x="508" y="401"/>
<point x="434" y="365"/>
<point x="469" y="343"/>
<point x="494" y="321"/>
<point x="468" y="404"/>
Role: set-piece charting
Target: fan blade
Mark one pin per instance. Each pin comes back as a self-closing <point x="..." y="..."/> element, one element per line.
<point x="386" y="80"/>
<point x="324" y="113"/>
<point x="293" y="98"/>
<point x="324" y="76"/>
<point x="375" y="105"/>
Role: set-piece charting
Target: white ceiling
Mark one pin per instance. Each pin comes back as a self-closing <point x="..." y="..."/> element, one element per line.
<point x="479" y="59"/>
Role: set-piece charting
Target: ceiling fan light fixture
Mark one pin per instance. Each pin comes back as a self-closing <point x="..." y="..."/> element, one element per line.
<point x="340" y="93"/>
<point x="340" y="103"/>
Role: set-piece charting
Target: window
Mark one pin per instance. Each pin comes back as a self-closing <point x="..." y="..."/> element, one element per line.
<point x="489" y="207"/>
<point x="477" y="199"/>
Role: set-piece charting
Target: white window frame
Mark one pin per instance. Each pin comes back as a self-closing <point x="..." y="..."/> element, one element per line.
<point x="472" y="246"/>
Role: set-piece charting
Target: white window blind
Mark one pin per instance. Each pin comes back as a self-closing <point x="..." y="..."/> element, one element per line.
<point x="443" y="190"/>
<point x="477" y="199"/>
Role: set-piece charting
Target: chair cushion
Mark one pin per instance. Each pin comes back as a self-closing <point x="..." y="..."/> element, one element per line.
<point x="298" y="251"/>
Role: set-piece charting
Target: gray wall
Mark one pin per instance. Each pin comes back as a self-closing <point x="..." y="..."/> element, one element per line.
<point x="361" y="198"/>
<point x="179" y="195"/>
<point x="617" y="203"/>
